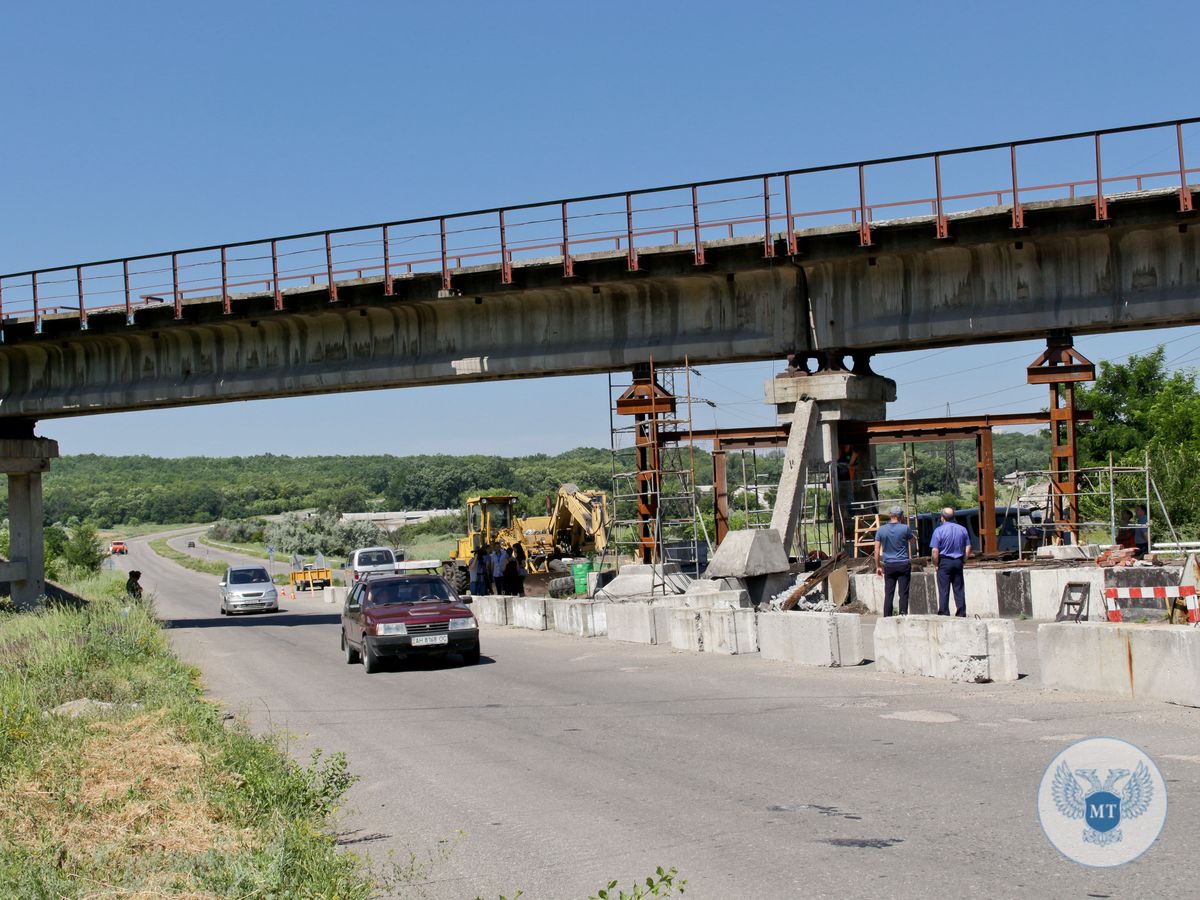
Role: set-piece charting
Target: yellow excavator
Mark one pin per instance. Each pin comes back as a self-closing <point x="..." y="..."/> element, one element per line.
<point x="576" y="526"/>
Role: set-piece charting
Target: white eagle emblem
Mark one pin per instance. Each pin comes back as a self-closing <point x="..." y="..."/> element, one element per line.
<point x="1098" y="804"/>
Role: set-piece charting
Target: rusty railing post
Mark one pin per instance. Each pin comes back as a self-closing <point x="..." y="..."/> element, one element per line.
<point x="631" y="254"/>
<point x="864" y="225"/>
<point x="568" y="263"/>
<point x="79" y="295"/>
<point x="1018" y="214"/>
<point x="128" y="297"/>
<point x="387" y="266"/>
<point x="275" y="274"/>
<point x="445" y="260"/>
<point x="768" y="241"/>
<point x="505" y="268"/>
<point x="225" y="305"/>
<point x="941" y="230"/>
<point x="37" y="313"/>
<point x="1185" y="193"/>
<point x="329" y="268"/>
<point x="791" y="225"/>
<point x="697" y="243"/>
<point x="1101" y="203"/>
<point x="175" y="286"/>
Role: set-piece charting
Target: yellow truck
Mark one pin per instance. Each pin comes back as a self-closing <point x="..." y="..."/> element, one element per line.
<point x="311" y="578"/>
<point x="577" y="526"/>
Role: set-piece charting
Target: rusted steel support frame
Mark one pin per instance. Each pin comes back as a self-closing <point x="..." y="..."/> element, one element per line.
<point x="720" y="492"/>
<point x="985" y="482"/>
<point x="791" y="225"/>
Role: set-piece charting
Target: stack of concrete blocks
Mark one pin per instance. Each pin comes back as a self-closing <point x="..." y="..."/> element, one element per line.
<point x="1159" y="662"/>
<point x="974" y="650"/>
<point x="582" y="618"/>
<point x="754" y="560"/>
<point x="639" y="581"/>
<point x="811" y="638"/>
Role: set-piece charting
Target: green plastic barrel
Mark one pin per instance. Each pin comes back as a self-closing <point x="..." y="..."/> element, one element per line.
<point x="580" y="571"/>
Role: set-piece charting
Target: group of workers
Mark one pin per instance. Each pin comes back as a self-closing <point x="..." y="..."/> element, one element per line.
<point x="1133" y="532"/>
<point x="498" y="570"/>
<point x="950" y="548"/>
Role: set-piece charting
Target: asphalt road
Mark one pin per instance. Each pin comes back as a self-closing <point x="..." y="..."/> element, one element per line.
<point x="570" y="761"/>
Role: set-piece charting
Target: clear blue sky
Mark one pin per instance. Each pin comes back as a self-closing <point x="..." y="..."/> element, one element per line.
<point x="133" y="127"/>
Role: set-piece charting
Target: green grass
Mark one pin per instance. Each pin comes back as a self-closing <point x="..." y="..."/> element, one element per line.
<point x="431" y="547"/>
<point x="256" y="550"/>
<point x="208" y="567"/>
<point x="157" y="795"/>
<point x="124" y="532"/>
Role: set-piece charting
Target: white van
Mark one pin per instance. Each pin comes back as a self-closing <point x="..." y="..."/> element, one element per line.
<point x="370" y="561"/>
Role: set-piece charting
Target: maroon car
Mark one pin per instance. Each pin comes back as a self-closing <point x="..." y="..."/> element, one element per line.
<point x="399" y="615"/>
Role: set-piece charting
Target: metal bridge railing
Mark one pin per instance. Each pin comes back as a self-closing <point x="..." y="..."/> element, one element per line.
<point x="765" y="205"/>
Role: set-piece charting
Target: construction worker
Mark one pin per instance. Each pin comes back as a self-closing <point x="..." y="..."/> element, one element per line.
<point x="892" y="559"/>
<point x="499" y="561"/>
<point x="520" y="559"/>
<point x="1141" y="531"/>
<point x="950" y="547"/>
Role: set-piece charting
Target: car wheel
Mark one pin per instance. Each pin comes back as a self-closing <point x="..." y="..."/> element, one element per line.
<point x="351" y="653"/>
<point x="370" y="657"/>
<point x="222" y="609"/>
<point x="471" y="655"/>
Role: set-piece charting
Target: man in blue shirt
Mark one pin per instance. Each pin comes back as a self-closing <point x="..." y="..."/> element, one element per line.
<point x="892" y="559"/>
<point x="951" y="547"/>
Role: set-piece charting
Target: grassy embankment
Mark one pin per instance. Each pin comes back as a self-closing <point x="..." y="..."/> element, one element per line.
<point x="155" y="795"/>
<point x="125" y="532"/>
<point x="424" y="547"/>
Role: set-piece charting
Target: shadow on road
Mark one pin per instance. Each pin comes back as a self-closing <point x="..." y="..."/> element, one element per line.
<point x="256" y="620"/>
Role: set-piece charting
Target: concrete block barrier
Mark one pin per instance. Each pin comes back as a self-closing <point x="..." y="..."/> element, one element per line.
<point x="582" y="618"/>
<point x="334" y="595"/>
<point x="527" y="612"/>
<point x="632" y="622"/>
<point x="1046" y="587"/>
<point x="729" y="631"/>
<point x="947" y="647"/>
<point x="811" y="638"/>
<point x="1157" y="662"/>
<point x="490" y="609"/>
<point x="686" y="633"/>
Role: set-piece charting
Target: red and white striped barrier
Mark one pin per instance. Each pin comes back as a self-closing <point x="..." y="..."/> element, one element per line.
<point x="1115" y="608"/>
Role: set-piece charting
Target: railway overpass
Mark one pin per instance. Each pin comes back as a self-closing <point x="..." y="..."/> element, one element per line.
<point x="720" y="271"/>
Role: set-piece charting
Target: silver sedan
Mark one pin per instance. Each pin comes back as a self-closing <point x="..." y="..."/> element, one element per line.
<point x="248" y="589"/>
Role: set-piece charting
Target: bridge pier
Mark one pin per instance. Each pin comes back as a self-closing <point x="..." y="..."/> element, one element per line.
<point x="23" y="458"/>
<point x="818" y="404"/>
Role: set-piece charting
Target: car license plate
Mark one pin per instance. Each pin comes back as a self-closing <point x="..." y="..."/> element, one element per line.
<point x="424" y="640"/>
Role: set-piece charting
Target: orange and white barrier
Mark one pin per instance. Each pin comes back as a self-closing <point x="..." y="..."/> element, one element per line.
<point x="1117" y="600"/>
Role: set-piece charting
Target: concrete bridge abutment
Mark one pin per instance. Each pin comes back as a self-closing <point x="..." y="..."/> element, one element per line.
<point x="23" y="458"/>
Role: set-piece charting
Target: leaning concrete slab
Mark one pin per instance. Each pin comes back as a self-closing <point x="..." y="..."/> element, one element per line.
<point x="632" y="622"/>
<point x="1157" y="662"/>
<point x="729" y="631"/>
<point x="644" y="580"/>
<point x="946" y="647"/>
<point x="811" y="638"/>
<point x="527" y="612"/>
<point x="745" y="554"/>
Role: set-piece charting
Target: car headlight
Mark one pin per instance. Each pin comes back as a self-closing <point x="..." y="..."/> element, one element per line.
<point x="391" y="628"/>
<point x="463" y="623"/>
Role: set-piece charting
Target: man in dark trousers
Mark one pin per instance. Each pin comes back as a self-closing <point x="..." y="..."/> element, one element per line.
<point x="892" y="559"/>
<point x="950" y="547"/>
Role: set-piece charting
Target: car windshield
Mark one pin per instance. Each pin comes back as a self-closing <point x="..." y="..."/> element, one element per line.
<point x="248" y="576"/>
<point x="376" y="558"/>
<point x="410" y="591"/>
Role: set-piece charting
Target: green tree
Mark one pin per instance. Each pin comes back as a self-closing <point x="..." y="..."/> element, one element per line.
<point x="83" y="550"/>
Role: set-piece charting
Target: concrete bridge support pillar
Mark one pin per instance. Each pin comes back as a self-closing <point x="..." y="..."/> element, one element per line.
<point x="817" y="404"/>
<point x="23" y="460"/>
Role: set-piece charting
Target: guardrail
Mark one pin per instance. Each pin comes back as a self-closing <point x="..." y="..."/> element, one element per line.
<point x="620" y="221"/>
